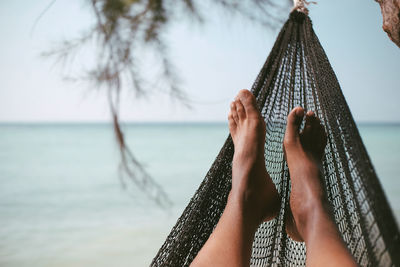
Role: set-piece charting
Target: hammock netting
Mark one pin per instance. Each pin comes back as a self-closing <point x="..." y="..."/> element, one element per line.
<point x="297" y="73"/>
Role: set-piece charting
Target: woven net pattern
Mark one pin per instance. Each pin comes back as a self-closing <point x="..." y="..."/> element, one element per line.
<point x="297" y="73"/>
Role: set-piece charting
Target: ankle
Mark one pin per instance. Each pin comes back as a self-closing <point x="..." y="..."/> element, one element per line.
<point x="257" y="202"/>
<point x="247" y="164"/>
<point x="238" y="204"/>
<point x="315" y="210"/>
<point x="256" y="154"/>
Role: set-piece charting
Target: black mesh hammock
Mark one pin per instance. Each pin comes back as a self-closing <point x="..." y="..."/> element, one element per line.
<point x="297" y="73"/>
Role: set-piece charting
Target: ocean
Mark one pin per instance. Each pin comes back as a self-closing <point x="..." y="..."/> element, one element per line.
<point x="62" y="202"/>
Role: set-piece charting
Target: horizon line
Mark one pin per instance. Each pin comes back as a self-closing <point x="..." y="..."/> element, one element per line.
<point x="3" y="123"/>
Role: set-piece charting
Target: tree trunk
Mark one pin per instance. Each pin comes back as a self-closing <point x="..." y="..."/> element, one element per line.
<point x="391" y="19"/>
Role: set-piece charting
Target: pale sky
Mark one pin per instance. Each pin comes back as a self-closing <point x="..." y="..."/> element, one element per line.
<point x="215" y="61"/>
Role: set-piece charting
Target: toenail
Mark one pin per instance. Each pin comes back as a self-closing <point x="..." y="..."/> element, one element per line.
<point x="299" y="111"/>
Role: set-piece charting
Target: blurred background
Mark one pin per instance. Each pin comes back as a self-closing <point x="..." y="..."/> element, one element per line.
<point x="61" y="200"/>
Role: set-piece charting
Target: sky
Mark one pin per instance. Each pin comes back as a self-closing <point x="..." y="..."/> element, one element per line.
<point x="214" y="61"/>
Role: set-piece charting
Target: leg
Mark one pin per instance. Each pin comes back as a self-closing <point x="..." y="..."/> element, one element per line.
<point x="253" y="197"/>
<point x="309" y="206"/>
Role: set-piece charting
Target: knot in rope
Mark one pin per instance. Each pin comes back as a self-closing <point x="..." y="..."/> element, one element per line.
<point x="301" y="5"/>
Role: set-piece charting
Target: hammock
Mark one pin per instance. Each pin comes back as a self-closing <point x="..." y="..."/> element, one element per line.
<point x="297" y="72"/>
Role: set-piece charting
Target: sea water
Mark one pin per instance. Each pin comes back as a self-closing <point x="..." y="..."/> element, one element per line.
<point x="62" y="202"/>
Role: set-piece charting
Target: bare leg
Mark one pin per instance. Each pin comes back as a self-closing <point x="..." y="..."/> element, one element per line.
<point x="253" y="197"/>
<point x="310" y="210"/>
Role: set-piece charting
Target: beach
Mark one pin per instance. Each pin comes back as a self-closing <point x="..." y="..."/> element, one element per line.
<point x="62" y="203"/>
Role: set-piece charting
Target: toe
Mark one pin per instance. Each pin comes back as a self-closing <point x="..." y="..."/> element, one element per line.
<point x="316" y="125"/>
<point x="309" y="122"/>
<point x="293" y="123"/>
<point x="247" y="98"/>
<point x="318" y="133"/>
<point x="234" y="112"/>
<point x="310" y="117"/>
<point x="232" y="124"/>
<point x="240" y="110"/>
<point x="232" y="107"/>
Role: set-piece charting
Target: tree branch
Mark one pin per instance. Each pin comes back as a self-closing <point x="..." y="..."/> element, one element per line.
<point x="391" y="19"/>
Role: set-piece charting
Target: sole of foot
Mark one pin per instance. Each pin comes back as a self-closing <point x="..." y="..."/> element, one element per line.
<point x="303" y="152"/>
<point x="251" y="183"/>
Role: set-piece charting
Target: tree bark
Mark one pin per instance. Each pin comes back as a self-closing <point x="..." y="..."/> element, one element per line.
<point x="391" y="19"/>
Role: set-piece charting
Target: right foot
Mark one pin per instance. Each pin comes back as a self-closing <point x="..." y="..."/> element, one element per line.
<point x="251" y="184"/>
<point x="303" y="152"/>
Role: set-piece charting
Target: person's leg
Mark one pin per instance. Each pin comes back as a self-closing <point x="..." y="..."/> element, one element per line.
<point x="253" y="197"/>
<point x="308" y="203"/>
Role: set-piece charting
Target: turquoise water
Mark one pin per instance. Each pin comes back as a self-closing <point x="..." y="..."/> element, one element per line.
<point x="62" y="204"/>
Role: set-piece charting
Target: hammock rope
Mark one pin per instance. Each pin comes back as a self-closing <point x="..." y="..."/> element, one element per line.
<point x="301" y="5"/>
<point x="297" y="73"/>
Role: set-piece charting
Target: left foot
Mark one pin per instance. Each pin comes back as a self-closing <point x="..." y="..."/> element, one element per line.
<point x="251" y="184"/>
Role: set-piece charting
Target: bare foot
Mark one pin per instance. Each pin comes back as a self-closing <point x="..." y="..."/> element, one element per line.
<point x="303" y="153"/>
<point x="251" y="184"/>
